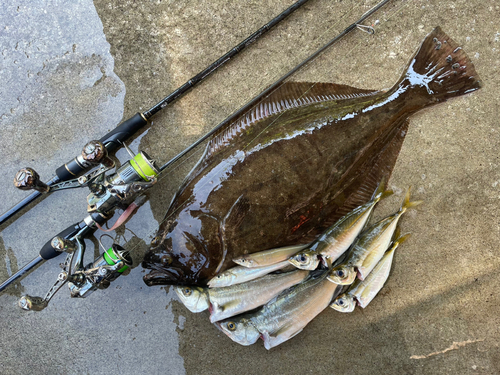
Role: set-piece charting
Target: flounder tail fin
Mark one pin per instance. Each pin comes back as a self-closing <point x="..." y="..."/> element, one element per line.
<point x="440" y="69"/>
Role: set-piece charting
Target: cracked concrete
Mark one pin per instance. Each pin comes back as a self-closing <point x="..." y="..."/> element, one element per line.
<point x="443" y="287"/>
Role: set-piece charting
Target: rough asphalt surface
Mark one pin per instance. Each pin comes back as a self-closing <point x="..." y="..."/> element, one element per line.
<point x="71" y="70"/>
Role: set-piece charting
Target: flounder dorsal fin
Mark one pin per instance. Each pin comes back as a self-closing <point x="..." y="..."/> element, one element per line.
<point x="287" y="96"/>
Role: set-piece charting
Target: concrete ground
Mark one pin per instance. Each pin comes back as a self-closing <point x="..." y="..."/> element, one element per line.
<point x="70" y="71"/>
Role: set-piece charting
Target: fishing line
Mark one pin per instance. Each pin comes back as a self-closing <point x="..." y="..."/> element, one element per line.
<point x="222" y="167"/>
<point x="320" y="36"/>
<point x="323" y="34"/>
<point x="194" y="153"/>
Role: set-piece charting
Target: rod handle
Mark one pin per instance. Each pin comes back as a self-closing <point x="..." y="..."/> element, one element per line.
<point x="115" y="138"/>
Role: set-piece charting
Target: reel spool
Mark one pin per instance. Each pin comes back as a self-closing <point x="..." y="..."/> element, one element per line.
<point x="100" y="273"/>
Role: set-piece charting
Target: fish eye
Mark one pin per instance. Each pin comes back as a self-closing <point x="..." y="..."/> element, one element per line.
<point x="302" y="258"/>
<point x="187" y="291"/>
<point x="231" y="326"/>
<point x="340" y="273"/>
<point x="166" y="260"/>
<point x="341" y="302"/>
<point x="155" y="241"/>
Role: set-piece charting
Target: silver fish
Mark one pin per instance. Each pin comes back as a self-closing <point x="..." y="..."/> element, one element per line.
<point x="337" y="239"/>
<point x="283" y="317"/>
<point x="232" y="300"/>
<point x="364" y="291"/>
<point x="193" y="297"/>
<point x="239" y="274"/>
<point x="268" y="257"/>
<point x="369" y="248"/>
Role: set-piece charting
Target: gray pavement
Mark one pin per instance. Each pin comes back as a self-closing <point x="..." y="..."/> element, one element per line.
<point x="71" y="70"/>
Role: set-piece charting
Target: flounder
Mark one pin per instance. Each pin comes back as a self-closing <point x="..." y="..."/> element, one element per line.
<point x="295" y="163"/>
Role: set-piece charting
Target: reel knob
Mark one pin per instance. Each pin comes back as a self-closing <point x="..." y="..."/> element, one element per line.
<point x="95" y="152"/>
<point x="27" y="179"/>
<point x="32" y="303"/>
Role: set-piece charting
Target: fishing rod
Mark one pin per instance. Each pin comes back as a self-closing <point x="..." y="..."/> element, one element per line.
<point x="121" y="189"/>
<point x="115" y="138"/>
<point x="94" y="158"/>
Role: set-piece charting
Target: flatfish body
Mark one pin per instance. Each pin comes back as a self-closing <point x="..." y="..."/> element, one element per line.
<point x="295" y="163"/>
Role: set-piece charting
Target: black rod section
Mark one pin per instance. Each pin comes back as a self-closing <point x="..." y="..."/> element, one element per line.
<point x="221" y="61"/>
<point x="20" y="205"/>
<point x="21" y="272"/>
<point x="275" y="85"/>
<point x="122" y="132"/>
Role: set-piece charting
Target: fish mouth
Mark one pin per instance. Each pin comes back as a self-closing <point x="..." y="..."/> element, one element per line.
<point x="218" y="325"/>
<point x="162" y="276"/>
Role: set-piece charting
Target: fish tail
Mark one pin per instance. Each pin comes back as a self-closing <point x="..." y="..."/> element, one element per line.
<point x="439" y="70"/>
<point x="398" y="240"/>
<point x="401" y="239"/>
<point x="407" y="204"/>
<point x="381" y="193"/>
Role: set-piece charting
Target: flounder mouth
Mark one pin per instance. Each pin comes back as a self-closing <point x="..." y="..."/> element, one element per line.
<point x="162" y="276"/>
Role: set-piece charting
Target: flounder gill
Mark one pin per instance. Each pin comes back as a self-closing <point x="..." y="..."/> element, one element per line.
<point x="295" y="163"/>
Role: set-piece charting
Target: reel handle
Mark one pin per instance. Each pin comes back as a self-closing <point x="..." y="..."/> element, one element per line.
<point x="51" y="249"/>
<point x="95" y="153"/>
<point x="28" y="179"/>
<point x="34" y="303"/>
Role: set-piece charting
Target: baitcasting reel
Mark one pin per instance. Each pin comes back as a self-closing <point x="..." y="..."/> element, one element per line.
<point x="120" y="189"/>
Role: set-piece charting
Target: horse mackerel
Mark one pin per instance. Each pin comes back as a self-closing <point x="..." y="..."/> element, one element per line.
<point x="283" y="317"/>
<point x="268" y="257"/>
<point x="337" y="239"/>
<point x="364" y="291"/>
<point x="369" y="248"/>
<point x="239" y="274"/>
<point x="228" y="301"/>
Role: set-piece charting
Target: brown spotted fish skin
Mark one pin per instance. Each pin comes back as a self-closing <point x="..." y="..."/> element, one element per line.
<point x="292" y="166"/>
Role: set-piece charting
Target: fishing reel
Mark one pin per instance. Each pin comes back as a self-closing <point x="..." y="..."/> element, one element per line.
<point x="82" y="281"/>
<point x="106" y="192"/>
<point x="121" y="189"/>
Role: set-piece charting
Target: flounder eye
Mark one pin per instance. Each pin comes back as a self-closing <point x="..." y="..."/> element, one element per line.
<point x="155" y="241"/>
<point x="166" y="260"/>
<point x="231" y="326"/>
<point x="187" y="291"/>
